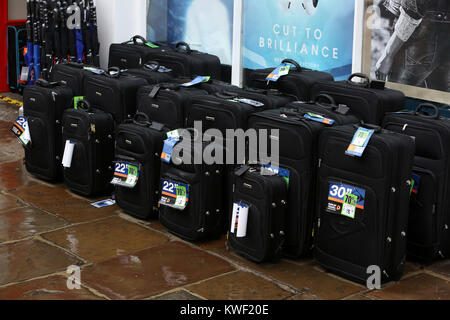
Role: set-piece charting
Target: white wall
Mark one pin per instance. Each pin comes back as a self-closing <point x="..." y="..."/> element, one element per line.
<point x="118" y="21"/>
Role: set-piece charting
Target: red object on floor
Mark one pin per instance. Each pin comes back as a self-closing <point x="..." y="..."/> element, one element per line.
<point x="4" y="23"/>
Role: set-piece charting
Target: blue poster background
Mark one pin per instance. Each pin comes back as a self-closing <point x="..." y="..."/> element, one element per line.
<point x="321" y="41"/>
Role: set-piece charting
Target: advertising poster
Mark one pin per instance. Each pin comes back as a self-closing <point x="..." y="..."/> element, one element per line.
<point x="407" y="44"/>
<point x="318" y="34"/>
<point x="206" y="25"/>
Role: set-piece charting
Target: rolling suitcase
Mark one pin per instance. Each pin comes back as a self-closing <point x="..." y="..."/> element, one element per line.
<point x="231" y="109"/>
<point x="165" y="102"/>
<point x="369" y="100"/>
<point x="70" y="74"/>
<point x="191" y="195"/>
<point x="363" y="202"/>
<point x="113" y="92"/>
<point x="139" y="143"/>
<point x="89" y="149"/>
<point x="153" y="73"/>
<point x="297" y="82"/>
<point x="17" y="37"/>
<point x="187" y="62"/>
<point x="43" y="105"/>
<point x="299" y="126"/>
<point x="429" y="219"/>
<point x="134" y="53"/>
<point x="258" y="216"/>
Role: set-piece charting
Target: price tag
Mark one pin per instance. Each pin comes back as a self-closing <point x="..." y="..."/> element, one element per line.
<point x="174" y="194"/>
<point x="75" y="101"/>
<point x="173" y="134"/>
<point x="21" y="130"/>
<point x="360" y="142"/>
<point x="282" y="70"/>
<point x="346" y="200"/>
<point x="199" y="79"/>
<point x="349" y="205"/>
<point x="319" y="118"/>
<point x="94" y="70"/>
<point x="125" y="174"/>
<point x="169" y="144"/>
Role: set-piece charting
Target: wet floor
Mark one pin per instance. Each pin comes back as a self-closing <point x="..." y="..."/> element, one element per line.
<point x="44" y="229"/>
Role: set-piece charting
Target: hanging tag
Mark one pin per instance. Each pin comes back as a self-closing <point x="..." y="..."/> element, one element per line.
<point x="319" y="118"/>
<point x="173" y="134"/>
<point x="151" y="45"/>
<point x="251" y="102"/>
<point x="21" y="130"/>
<point x="415" y="183"/>
<point x="349" y="205"/>
<point x="104" y="203"/>
<point x="239" y="220"/>
<point x="75" y="101"/>
<point x="94" y="70"/>
<point x="154" y="92"/>
<point x="360" y="142"/>
<point x="169" y="144"/>
<point x="68" y="154"/>
<point x="24" y="74"/>
<point x="199" y="79"/>
<point x="174" y="194"/>
<point x="282" y="70"/>
<point x="125" y="174"/>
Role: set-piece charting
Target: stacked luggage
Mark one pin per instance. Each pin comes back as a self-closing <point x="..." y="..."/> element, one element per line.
<point x="339" y="172"/>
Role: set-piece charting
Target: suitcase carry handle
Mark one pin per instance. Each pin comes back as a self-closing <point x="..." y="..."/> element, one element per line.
<point x="226" y="95"/>
<point x="421" y="113"/>
<point x="146" y="122"/>
<point x="295" y="63"/>
<point x="76" y="65"/>
<point x="148" y="65"/>
<point x="374" y="127"/>
<point x="136" y="38"/>
<point x="364" y="84"/>
<point x="46" y="84"/>
<point x="110" y="70"/>
<point x="183" y="44"/>
<point x="329" y="99"/>
<point x="84" y="105"/>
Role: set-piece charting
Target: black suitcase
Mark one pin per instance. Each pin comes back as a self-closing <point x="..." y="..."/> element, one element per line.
<point x="166" y="102"/>
<point x="134" y="53"/>
<point x="70" y="74"/>
<point x="153" y="73"/>
<point x="187" y="62"/>
<point x="363" y="203"/>
<point x="298" y="82"/>
<point x="231" y="109"/>
<point x="368" y="100"/>
<point x="92" y="133"/>
<point x="298" y="138"/>
<point x="265" y="199"/>
<point x="139" y="143"/>
<point x="113" y="92"/>
<point x="202" y="217"/>
<point x="429" y="220"/>
<point x="43" y="106"/>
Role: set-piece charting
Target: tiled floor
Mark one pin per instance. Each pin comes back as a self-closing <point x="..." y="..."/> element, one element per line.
<point x="44" y="229"/>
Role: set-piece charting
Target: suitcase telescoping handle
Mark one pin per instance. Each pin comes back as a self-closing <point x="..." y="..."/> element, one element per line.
<point x="293" y="62"/>
<point x="365" y="83"/>
<point x="185" y="45"/>
<point x="421" y="112"/>
<point x="84" y="105"/>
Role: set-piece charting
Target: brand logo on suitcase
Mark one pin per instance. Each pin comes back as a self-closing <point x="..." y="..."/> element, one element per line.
<point x="156" y="106"/>
<point x="99" y="94"/>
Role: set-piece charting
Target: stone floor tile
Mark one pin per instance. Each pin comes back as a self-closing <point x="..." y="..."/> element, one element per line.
<point x="13" y="176"/>
<point x="180" y="295"/>
<point x="24" y="222"/>
<point x="30" y="259"/>
<point x="58" y="200"/>
<point x="8" y="202"/>
<point x="153" y="271"/>
<point x="419" y="287"/>
<point x="105" y="239"/>
<point x="50" y="288"/>
<point x="239" y="286"/>
<point x="442" y="267"/>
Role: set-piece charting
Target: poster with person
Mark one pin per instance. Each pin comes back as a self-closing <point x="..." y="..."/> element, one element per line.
<point x="408" y="46"/>
<point x="206" y="25"/>
<point x="316" y="33"/>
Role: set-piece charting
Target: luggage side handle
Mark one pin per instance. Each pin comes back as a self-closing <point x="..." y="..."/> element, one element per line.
<point x="365" y="84"/>
<point x="420" y="112"/>
<point x="84" y="105"/>
<point x="183" y="44"/>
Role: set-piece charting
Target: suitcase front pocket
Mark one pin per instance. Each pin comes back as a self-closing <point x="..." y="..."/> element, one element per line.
<point x="79" y="174"/>
<point x="40" y="144"/>
<point x="423" y="215"/>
